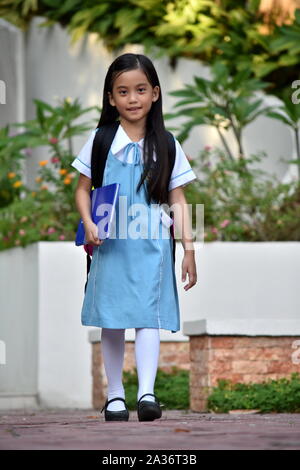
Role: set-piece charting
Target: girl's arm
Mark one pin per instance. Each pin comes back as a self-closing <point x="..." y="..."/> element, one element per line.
<point x="83" y="204"/>
<point x="179" y="206"/>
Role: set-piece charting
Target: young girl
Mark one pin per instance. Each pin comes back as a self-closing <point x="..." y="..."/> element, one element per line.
<point x="132" y="282"/>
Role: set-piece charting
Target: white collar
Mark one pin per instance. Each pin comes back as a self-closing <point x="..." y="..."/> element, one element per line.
<point x="121" y="139"/>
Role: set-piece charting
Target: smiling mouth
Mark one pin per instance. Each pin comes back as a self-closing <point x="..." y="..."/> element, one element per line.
<point x="133" y="109"/>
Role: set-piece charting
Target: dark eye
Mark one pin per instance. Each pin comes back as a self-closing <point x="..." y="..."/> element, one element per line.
<point x="142" y="89"/>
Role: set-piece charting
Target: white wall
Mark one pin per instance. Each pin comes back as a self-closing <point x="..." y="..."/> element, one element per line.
<point x="64" y="368"/>
<point x="244" y="280"/>
<point x="47" y="352"/>
<point x="12" y="73"/>
<point x="19" y="326"/>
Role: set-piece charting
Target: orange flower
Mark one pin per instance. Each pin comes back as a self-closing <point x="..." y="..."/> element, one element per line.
<point x="11" y="175"/>
<point x="43" y="162"/>
<point x="38" y="179"/>
<point x="33" y="193"/>
<point x="44" y="186"/>
<point x="67" y="180"/>
<point x="63" y="171"/>
<point x="17" y="184"/>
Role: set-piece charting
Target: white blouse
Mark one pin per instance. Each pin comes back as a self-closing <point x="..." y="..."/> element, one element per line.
<point x="181" y="175"/>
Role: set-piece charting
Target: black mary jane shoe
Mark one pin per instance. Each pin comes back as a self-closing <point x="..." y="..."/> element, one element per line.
<point x="149" y="410"/>
<point x="122" y="415"/>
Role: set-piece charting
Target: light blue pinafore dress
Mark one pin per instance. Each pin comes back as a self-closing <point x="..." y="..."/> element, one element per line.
<point x="132" y="282"/>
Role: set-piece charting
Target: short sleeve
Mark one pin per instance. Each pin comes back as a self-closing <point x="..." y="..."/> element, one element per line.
<point x="182" y="173"/>
<point x="82" y="162"/>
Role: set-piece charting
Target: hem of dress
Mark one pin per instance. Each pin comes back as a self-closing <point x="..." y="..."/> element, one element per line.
<point x="130" y="327"/>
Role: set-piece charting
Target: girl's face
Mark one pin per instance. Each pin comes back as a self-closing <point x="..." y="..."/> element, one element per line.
<point x="133" y="95"/>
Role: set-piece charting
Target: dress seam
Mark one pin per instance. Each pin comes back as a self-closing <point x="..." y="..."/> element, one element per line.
<point x="96" y="271"/>
<point x="159" y="285"/>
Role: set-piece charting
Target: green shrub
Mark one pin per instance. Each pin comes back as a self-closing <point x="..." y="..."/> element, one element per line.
<point x="243" y="204"/>
<point x="172" y="389"/>
<point x="46" y="212"/>
<point x="281" y="396"/>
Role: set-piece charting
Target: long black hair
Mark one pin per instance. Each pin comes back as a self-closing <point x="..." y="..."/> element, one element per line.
<point x="156" y="173"/>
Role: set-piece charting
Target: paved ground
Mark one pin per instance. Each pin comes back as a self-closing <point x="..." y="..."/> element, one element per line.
<point x="176" y="430"/>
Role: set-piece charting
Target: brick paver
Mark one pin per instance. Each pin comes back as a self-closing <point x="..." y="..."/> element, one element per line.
<point x="176" y="430"/>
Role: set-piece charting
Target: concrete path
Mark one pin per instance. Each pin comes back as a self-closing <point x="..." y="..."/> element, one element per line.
<point x="176" y="430"/>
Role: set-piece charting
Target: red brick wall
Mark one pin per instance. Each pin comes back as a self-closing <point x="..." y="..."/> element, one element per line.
<point x="209" y="358"/>
<point x="241" y="359"/>
<point x="172" y="353"/>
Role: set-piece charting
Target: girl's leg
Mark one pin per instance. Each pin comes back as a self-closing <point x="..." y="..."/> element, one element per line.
<point x="147" y="342"/>
<point x="113" y="347"/>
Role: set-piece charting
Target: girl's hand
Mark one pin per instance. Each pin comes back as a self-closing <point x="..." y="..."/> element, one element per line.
<point x="189" y="266"/>
<point x="91" y="231"/>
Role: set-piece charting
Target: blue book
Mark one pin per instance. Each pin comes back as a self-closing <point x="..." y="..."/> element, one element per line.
<point x="103" y="207"/>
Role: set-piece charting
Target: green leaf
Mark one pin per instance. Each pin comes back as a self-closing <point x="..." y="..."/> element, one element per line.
<point x="127" y="20"/>
<point x="295" y="161"/>
<point x="280" y="44"/>
<point x="280" y="117"/>
<point x="43" y="105"/>
<point x="297" y="16"/>
<point x="202" y="84"/>
<point x="188" y="101"/>
<point x="220" y="72"/>
<point x="262" y="70"/>
<point x="168" y="116"/>
<point x="184" y="93"/>
<point x="288" y="59"/>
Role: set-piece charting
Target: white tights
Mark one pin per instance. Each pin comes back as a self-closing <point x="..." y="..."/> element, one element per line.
<point x="147" y="342"/>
